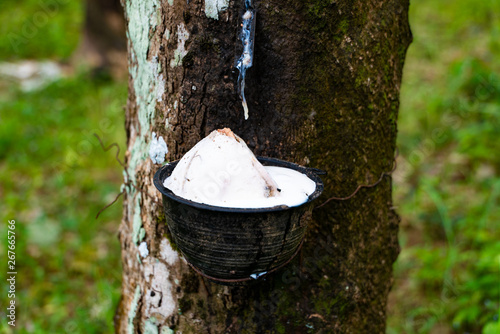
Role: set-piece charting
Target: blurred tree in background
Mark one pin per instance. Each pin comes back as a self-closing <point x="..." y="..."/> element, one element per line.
<point x="103" y="43"/>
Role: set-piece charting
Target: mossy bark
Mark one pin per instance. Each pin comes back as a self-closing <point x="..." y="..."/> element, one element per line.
<point x="323" y="92"/>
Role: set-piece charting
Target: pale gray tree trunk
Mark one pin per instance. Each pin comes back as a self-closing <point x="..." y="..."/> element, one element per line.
<point x="323" y="92"/>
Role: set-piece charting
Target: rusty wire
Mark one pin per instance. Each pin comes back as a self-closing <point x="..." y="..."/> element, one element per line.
<point x="246" y="279"/>
<point x="121" y="164"/>
<point x="109" y="147"/>
<point x="107" y="206"/>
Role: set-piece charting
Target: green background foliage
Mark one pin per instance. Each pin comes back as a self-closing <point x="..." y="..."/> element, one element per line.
<point x="39" y="29"/>
<point x="55" y="177"/>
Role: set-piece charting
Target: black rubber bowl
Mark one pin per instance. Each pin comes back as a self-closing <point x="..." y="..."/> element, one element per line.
<point x="236" y="244"/>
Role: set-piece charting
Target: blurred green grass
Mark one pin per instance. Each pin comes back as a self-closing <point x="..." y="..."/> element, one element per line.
<point x="447" y="277"/>
<point x="54" y="177"/>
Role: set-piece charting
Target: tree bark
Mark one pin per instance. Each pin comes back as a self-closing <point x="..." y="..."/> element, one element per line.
<point x="103" y="44"/>
<point x="323" y="92"/>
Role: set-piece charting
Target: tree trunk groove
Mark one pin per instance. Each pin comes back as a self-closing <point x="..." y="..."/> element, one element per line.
<point x="323" y="92"/>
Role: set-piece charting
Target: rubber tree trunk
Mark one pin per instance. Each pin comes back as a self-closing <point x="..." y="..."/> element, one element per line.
<point x="323" y="92"/>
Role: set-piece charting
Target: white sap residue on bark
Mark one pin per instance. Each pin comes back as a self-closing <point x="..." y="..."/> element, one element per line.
<point x="143" y="249"/>
<point x="180" y="52"/>
<point x="167" y="253"/>
<point x="213" y="7"/>
<point x="157" y="149"/>
<point x="159" y="298"/>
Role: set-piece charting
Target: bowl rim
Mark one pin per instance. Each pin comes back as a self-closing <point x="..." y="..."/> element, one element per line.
<point x="311" y="173"/>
